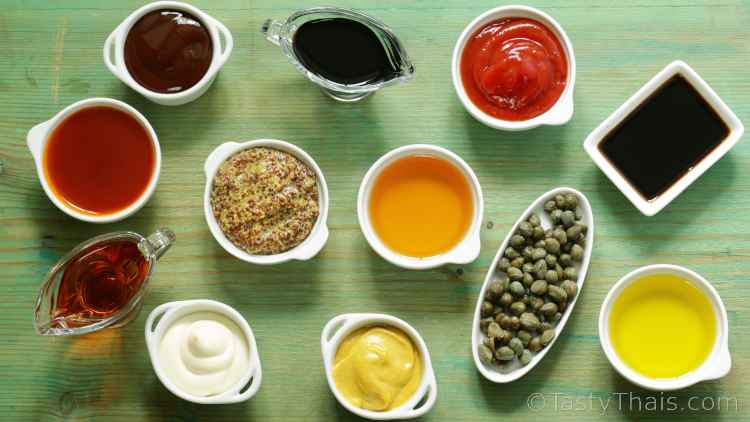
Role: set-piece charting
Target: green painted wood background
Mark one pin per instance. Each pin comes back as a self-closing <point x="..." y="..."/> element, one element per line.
<point x="50" y="56"/>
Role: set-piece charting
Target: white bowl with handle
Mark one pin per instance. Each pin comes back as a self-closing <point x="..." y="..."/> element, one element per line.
<point x="338" y="328"/>
<point x="114" y="53"/>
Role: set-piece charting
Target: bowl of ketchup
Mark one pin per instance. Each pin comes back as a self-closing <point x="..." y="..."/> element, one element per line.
<point x="514" y="69"/>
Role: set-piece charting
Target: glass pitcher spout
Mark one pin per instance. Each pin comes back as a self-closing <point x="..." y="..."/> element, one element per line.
<point x="101" y="283"/>
<point x="367" y="54"/>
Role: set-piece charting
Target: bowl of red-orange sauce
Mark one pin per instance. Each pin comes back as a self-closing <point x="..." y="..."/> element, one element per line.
<point x="514" y="69"/>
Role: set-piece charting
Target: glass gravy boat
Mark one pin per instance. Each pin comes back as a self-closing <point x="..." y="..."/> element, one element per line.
<point x="282" y="34"/>
<point x="101" y="283"/>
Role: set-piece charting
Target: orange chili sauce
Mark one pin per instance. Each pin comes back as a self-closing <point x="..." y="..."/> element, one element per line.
<point x="99" y="160"/>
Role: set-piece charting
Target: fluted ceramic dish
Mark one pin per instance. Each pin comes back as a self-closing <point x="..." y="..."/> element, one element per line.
<point x="514" y="370"/>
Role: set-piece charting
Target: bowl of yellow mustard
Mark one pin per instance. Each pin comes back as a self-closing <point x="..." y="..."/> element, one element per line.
<point x="378" y="366"/>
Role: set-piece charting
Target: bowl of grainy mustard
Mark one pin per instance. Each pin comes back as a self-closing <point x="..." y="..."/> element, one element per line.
<point x="266" y="201"/>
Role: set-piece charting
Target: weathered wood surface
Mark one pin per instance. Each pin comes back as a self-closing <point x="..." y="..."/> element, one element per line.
<point x="50" y="56"/>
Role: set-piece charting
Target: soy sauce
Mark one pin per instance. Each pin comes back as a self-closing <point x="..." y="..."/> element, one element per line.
<point x="663" y="139"/>
<point x="343" y="51"/>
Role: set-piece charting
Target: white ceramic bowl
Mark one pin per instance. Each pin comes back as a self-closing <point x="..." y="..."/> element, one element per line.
<point x="515" y="371"/>
<point x="718" y="363"/>
<point x="464" y="252"/>
<point x="38" y="137"/>
<point x="302" y="252"/>
<point x="114" y="53"/>
<point x="560" y="113"/>
<point x="338" y="328"/>
<point x="160" y="319"/>
<point x="591" y="144"/>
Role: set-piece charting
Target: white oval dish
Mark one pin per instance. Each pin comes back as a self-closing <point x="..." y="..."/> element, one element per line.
<point x="516" y="371"/>
<point x="114" y="53"/>
<point x="164" y="315"/>
<point x="302" y="252"/>
<point x="38" y="137"/>
<point x="560" y="113"/>
<point x="718" y="363"/>
<point x="464" y="252"/>
<point x="338" y="328"/>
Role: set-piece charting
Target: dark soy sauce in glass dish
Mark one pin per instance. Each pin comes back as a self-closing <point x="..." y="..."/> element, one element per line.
<point x="664" y="138"/>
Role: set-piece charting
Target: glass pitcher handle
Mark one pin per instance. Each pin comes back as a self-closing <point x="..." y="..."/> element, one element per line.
<point x="160" y="241"/>
<point x="272" y="29"/>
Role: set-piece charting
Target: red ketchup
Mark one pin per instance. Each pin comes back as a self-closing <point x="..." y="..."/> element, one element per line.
<point x="514" y="69"/>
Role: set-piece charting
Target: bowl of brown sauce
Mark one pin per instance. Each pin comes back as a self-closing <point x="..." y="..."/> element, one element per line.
<point x="169" y="52"/>
<point x="98" y="159"/>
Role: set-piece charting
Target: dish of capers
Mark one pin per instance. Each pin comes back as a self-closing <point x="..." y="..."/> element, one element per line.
<point x="535" y="280"/>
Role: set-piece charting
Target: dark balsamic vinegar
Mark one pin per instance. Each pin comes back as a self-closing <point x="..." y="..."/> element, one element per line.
<point x="668" y="135"/>
<point x="343" y="51"/>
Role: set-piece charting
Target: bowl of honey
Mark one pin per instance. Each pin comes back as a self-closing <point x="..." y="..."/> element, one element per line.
<point x="98" y="159"/>
<point x="664" y="327"/>
<point x="169" y="52"/>
<point x="420" y="206"/>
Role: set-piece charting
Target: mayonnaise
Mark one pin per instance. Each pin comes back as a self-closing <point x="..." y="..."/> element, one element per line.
<point x="204" y="353"/>
<point x="377" y="368"/>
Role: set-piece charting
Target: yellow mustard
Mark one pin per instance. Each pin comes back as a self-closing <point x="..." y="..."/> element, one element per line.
<point x="377" y="368"/>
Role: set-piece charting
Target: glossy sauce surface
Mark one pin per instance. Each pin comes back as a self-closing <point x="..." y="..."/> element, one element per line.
<point x="421" y="206"/>
<point x="168" y="51"/>
<point x="665" y="138"/>
<point x="662" y="326"/>
<point x="342" y="50"/>
<point x="99" y="160"/>
<point x="514" y="69"/>
<point x="100" y="280"/>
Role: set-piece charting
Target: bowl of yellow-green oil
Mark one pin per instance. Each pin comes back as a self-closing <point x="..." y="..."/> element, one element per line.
<point x="664" y="327"/>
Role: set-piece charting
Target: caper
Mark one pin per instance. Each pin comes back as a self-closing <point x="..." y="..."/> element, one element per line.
<point x="547" y="337"/>
<point x="484" y="323"/>
<point x="549" y="206"/>
<point x="570" y="287"/>
<point x="517" y="262"/>
<point x="489" y="343"/>
<point x="525" y="229"/>
<point x="524" y="336"/>
<point x="517" y="241"/>
<point x="551" y="260"/>
<point x="560" y="236"/>
<point x="497" y="287"/>
<point x="540" y="268"/>
<point x="504" y="354"/>
<point x="514" y="274"/>
<point x="538" y="254"/>
<point x="504" y="321"/>
<point x="548" y="309"/>
<point x="516" y="345"/>
<point x="527" y="267"/>
<point x="538" y="233"/>
<point x="516" y="288"/>
<point x="515" y="322"/>
<point x="571" y="273"/>
<point x="566" y="247"/>
<point x="552" y="245"/>
<point x="571" y="201"/>
<point x="565" y="260"/>
<point x="534" y="220"/>
<point x="536" y="302"/>
<point x="526" y="357"/>
<point x="527" y="279"/>
<point x="511" y="253"/>
<point x="560" y="271"/>
<point x="535" y="344"/>
<point x="576" y="252"/>
<point x="494" y="330"/>
<point x="551" y="276"/>
<point x="557" y="294"/>
<point x="567" y="218"/>
<point x="555" y="215"/>
<point x="527" y="252"/>
<point x="485" y="354"/>
<point x="560" y="201"/>
<point x="506" y="299"/>
<point x="540" y="244"/>
<point x="557" y="317"/>
<point x="581" y="240"/>
<point x="579" y="213"/>
<point x="574" y="232"/>
<point x="487" y="308"/>
<point x="529" y="321"/>
<point x="518" y="308"/>
<point x="544" y="326"/>
<point x="539" y="287"/>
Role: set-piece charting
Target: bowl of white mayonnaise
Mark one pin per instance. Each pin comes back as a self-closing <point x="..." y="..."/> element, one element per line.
<point x="203" y="351"/>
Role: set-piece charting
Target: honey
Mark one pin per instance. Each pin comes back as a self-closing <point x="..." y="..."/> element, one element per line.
<point x="421" y="206"/>
<point x="662" y="326"/>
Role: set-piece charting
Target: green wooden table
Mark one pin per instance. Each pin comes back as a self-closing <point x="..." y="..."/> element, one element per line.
<point x="50" y="56"/>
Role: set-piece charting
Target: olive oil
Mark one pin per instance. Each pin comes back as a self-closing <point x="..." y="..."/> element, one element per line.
<point x="662" y="326"/>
